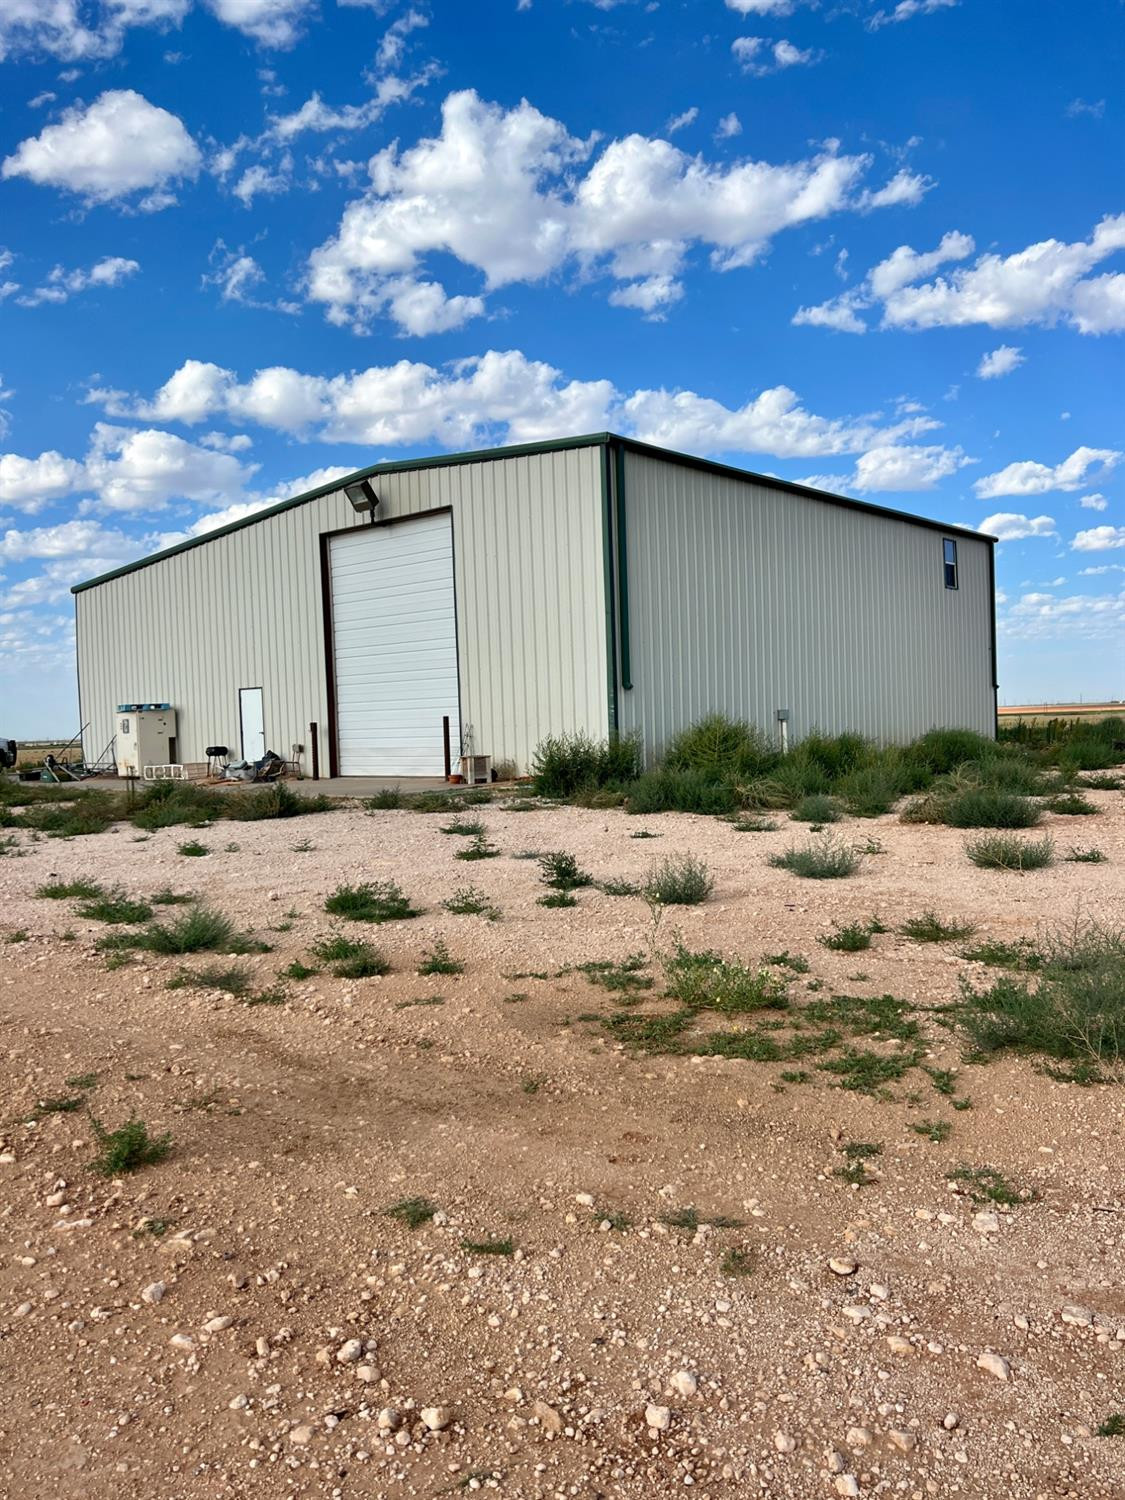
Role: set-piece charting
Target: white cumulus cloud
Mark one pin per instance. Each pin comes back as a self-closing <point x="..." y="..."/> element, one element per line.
<point x="272" y="23"/>
<point x="1045" y="284"/>
<point x="762" y="7"/>
<point x="61" y="284"/>
<point x="906" y="10"/>
<point x="143" y="470"/>
<point x="758" y="56"/>
<point x="1009" y="527"/>
<point x="74" y="31"/>
<point x="1000" y="362"/>
<point x="1094" y="502"/>
<point x="119" y="145"/>
<point x="892" y="466"/>
<point x="504" y="396"/>
<point x="1030" y="478"/>
<point x="1099" y="539"/>
<point x="513" y="196"/>
<point x="29" y="483"/>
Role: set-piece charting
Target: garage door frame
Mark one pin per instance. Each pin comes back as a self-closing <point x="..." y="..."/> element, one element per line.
<point x="326" y="538"/>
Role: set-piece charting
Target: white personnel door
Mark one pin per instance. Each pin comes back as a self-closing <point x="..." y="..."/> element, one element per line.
<point x="252" y="717"/>
<point x="395" y="646"/>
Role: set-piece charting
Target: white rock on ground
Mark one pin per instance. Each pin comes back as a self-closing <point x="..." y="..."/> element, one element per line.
<point x="995" y="1364"/>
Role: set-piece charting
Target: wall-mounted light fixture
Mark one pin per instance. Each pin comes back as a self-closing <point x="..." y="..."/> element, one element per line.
<point x="362" y="496"/>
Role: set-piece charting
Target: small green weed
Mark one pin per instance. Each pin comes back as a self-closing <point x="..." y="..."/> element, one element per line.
<point x="689" y="1219"/>
<point x="856" y="1154"/>
<point x="987" y="1185"/>
<point x="128" y="1148"/>
<point x="469" y="828"/>
<point x="19" y="935"/>
<point x="944" y="1080"/>
<point x="115" y="908"/>
<point x="817" y="808"/>
<point x="934" y="1130"/>
<point x="624" y="977"/>
<point x="385" y="801"/>
<point x="82" y="1081"/>
<point x="298" y="970"/>
<point x="489" y="1247"/>
<point x="234" y="980"/>
<point x="350" y="960"/>
<point x="929" y="928"/>
<point x="707" y="981"/>
<point x="787" y="960"/>
<point x="375" y="901"/>
<point x="561" y="871"/>
<point x="273" y="996"/>
<point x="478" y="848"/>
<point x="1021" y="954"/>
<point x="1113" y="1426"/>
<point x="414" y="1212"/>
<point x="58" y="1106"/>
<point x="613" y="1218"/>
<point x="555" y="899"/>
<point x="1085" y="857"/>
<point x="751" y="823"/>
<point x="468" y="901"/>
<point x="738" y="1262"/>
<point x="868" y="1072"/>
<point x="197" y="931"/>
<point x="678" y="881"/>
<point x="1071" y="804"/>
<point x="439" y="960"/>
<point x="850" y="937"/>
<point x="1074" y="1010"/>
<point x="619" y="887"/>
<point x="1000" y="851"/>
<point x="821" y="859"/>
<point x="192" y="849"/>
<point x="171" y="898"/>
<point x="66" y="890"/>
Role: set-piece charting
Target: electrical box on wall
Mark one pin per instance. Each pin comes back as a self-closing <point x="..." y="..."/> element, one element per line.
<point x="146" y="734"/>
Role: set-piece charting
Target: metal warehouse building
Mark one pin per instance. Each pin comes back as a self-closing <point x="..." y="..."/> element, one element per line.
<point x="593" y="583"/>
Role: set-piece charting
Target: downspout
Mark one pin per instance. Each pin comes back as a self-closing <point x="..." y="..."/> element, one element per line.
<point x="607" y="581"/>
<point x="992" y="632"/>
<point x="623" y="568"/>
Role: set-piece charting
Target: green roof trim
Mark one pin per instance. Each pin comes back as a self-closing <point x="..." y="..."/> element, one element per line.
<point x="523" y="450"/>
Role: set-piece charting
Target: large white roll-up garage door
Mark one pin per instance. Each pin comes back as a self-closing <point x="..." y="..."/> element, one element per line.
<point x="395" y="645"/>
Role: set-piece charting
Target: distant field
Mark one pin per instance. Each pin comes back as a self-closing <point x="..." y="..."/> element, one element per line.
<point x="32" y="752"/>
<point x="1043" y="713"/>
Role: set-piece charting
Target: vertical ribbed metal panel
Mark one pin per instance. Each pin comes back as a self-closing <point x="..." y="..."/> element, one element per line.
<point x="245" y="610"/>
<point x="746" y="599"/>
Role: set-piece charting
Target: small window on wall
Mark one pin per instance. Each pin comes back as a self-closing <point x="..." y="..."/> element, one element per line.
<point x="949" y="562"/>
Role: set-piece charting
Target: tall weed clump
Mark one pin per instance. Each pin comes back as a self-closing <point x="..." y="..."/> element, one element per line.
<point x="566" y="765"/>
<point x="721" y="749"/>
<point x="686" y="790"/>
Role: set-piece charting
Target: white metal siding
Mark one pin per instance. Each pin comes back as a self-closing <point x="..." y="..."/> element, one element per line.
<point x="246" y="609"/>
<point x="746" y="599"/>
<point x="395" y="647"/>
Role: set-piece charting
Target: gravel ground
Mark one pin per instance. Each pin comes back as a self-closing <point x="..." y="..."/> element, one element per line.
<point x="245" y="1319"/>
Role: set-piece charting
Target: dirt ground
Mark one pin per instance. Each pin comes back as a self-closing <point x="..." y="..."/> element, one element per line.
<point x="600" y="1358"/>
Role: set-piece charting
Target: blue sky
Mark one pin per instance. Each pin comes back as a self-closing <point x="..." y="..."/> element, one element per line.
<point x="246" y="244"/>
